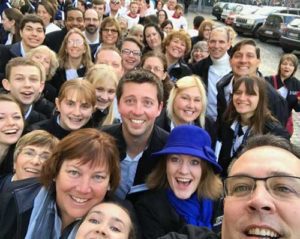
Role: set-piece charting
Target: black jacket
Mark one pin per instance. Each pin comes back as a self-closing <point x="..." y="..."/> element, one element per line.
<point x="293" y="86"/>
<point x="6" y="54"/>
<point x="164" y="122"/>
<point x="179" y="70"/>
<point x="157" y="217"/>
<point x="277" y="104"/>
<point x="226" y="137"/>
<point x="146" y="164"/>
<point x="60" y="77"/>
<point x="201" y="69"/>
<point x="51" y="126"/>
<point x="54" y="39"/>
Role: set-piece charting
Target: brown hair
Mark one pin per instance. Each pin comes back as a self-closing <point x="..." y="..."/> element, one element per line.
<point x="290" y="57"/>
<point x="182" y="35"/>
<point x="49" y="8"/>
<point x="140" y="76"/>
<point x="63" y="55"/>
<point x="210" y="185"/>
<point x="16" y="15"/>
<point x="9" y="98"/>
<point x="31" y="18"/>
<point x="110" y="21"/>
<point x="167" y="83"/>
<point x="90" y="146"/>
<point x="21" y="61"/>
<point x="205" y="23"/>
<point x="242" y="43"/>
<point x="262" y="113"/>
<point x="84" y="88"/>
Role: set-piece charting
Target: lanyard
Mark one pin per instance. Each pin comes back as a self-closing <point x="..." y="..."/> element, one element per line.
<point x="236" y="135"/>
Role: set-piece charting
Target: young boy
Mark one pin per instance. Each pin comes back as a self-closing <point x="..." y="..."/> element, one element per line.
<point x="25" y="81"/>
<point x="133" y="16"/>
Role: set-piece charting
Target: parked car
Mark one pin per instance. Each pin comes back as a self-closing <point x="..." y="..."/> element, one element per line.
<point x="250" y="23"/>
<point x="231" y="7"/>
<point x="275" y="25"/>
<point x="247" y="9"/>
<point x="290" y="39"/>
<point x="218" y="9"/>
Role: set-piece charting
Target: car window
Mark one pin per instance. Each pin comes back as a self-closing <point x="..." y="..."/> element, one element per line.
<point x="295" y="23"/>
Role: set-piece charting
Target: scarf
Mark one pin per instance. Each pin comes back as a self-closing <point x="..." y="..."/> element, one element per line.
<point x="194" y="211"/>
<point x="44" y="219"/>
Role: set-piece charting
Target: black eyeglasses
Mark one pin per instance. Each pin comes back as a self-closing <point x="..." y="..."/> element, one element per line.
<point x="281" y="187"/>
<point x="128" y="52"/>
<point x="107" y="30"/>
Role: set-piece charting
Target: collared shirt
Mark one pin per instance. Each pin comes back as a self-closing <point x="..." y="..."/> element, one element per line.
<point x="128" y="171"/>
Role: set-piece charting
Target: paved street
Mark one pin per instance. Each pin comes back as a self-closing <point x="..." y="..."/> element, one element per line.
<point x="270" y="55"/>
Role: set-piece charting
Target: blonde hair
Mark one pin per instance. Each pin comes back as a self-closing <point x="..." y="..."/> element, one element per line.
<point x="53" y="58"/>
<point x="63" y="55"/>
<point x="99" y="74"/>
<point x="40" y="138"/>
<point x="180" y="34"/>
<point x="182" y="84"/>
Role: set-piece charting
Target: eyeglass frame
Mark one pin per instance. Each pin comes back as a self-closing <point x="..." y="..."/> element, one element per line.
<point x="108" y="30"/>
<point x="255" y="179"/>
<point x="155" y="69"/>
<point x="133" y="52"/>
<point x="34" y="154"/>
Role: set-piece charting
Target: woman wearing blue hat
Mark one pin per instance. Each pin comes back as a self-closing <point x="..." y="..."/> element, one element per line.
<point x="183" y="185"/>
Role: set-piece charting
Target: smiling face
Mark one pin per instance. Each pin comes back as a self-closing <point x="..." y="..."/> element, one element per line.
<point x="139" y="108"/>
<point x="187" y="105"/>
<point x="42" y="12"/>
<point x="176" y="48"/>
<point x="105" y="93"/>
<point x="109" y="35"/>
<point x="91" y="21"/>
<point x="245" y="61"/>
<point x="155" y="65"/>
<point x="199" y="54"/>
<point x="74" y="112"/>
<point x="32" y="35"/>
<point x="261" y="214"/>
<point x="112" y="58"/>
<point x="75" y="46"/>
<point x="11" y="123"/>
<point x="79" y="187"/>
<point x="29" y="162"/>
<point x="131" y="55"/>
<point x="286" y="69"/>
<point x="153" y="38"/>
<point x="107" y="220"/>
<point x="183" y="174"/>
<point x="244" y="103"/>
<point x="24" y="84"/>
<point x="74" y="19"/>
<point x="218" y="43"/>
<point x="43" y="58"/>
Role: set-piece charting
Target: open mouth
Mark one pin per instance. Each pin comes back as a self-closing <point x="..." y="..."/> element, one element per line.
<point x="32" y="170"/>
<point x="183" y="181"/>
<point x="79" y="200"/>
<point x="75" y="120"/>
<point x="263" y="233"/>
<point x="10" y="131"/>
<point x="137" y="121"/>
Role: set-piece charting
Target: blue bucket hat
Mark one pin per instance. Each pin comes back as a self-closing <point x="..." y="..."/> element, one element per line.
<point x="190" y="140"/>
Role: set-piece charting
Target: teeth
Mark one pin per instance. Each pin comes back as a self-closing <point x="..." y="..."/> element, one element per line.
<point x="32" y="170"/>
<point x="10" y="131"/>
<point x="137" y="121"/>
<point x="79" y="200"/>
<point x="183" y="180"/>
<point x="75" y="119"/>
<point x="188" y="112"/>
<point x="263" y="232"/>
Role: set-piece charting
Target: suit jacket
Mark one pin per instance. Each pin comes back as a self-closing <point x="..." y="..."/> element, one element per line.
<point x="277" y="104"/>
<point x="6" y="54"/>
<point x="60" y="77"/>
<point x="54" y="39"/>
<point x="227" y="136"/>
<point x="146" y="164"/>
<point x="201" y="69"/>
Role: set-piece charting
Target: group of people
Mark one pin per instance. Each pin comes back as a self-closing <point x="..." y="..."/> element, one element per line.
<point x="113" y="126"/>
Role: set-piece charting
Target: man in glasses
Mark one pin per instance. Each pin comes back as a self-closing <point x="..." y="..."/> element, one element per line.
<point x="262" y="191"/>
